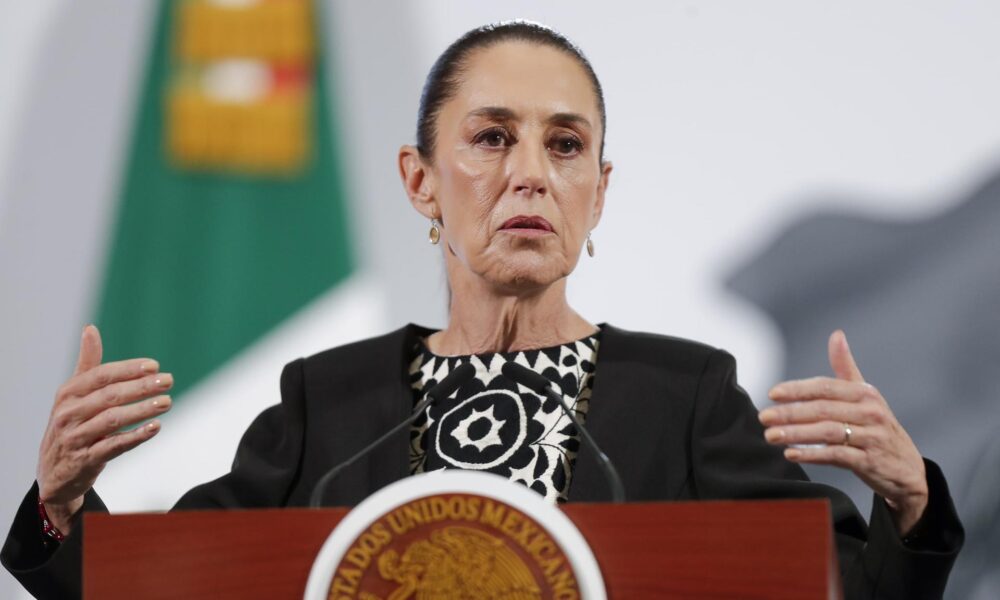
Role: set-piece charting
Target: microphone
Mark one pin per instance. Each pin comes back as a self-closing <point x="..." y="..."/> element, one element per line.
<point x="443" y="389"/>
<point x="543" y="387"/>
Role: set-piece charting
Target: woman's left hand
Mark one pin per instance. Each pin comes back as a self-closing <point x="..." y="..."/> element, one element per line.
<point x="846" y="422"/>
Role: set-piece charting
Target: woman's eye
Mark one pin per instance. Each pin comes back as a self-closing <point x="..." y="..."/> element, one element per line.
<point x="566" y="146"/>
<point x="494" y="138"/>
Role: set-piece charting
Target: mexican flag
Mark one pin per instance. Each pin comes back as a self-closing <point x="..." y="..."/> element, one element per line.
<point x="231" y="246"/>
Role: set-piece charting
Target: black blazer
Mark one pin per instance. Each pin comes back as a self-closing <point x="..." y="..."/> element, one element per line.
<point x="667" y="411"/>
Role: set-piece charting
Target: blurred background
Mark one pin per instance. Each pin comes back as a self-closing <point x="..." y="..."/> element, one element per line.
<point x="214" y="184"/>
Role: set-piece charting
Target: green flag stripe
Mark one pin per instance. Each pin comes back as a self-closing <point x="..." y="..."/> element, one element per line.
<point x="203" y="264"/>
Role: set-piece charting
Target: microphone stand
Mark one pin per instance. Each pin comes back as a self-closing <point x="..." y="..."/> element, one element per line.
<point x="449" y="384"/>
<point x="542" y="386"/>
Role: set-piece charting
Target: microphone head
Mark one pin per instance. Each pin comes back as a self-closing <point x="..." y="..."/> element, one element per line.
<point x="526" y="377"/>
<point x="454" y="380"/>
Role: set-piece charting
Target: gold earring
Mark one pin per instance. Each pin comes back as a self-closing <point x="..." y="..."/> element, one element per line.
<point x="435" y="233"/>
<point x="590" y="246"/>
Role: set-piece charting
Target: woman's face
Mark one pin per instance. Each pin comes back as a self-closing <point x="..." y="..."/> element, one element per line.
<point x="516" y="177"/>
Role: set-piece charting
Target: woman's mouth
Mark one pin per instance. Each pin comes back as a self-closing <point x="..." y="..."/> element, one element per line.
<point x="528" y="226"/>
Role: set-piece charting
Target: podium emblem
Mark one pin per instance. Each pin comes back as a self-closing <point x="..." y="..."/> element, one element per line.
<point x="455" y="534"/>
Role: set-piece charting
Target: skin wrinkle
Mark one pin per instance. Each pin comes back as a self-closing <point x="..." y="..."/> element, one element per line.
<point x="512" y="141"/>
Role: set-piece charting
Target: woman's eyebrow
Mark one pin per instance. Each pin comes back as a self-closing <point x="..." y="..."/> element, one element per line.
<point x="565" y="118"/>
<point x="495" y="113"/>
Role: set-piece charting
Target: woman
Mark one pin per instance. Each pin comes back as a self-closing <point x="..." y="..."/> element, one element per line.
<point x="509" y="171"/>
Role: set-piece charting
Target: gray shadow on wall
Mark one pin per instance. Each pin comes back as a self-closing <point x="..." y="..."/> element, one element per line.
<point x="920" y="303"/>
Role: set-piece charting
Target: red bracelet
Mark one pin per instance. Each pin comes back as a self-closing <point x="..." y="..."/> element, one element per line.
<point x="48" y="528"/>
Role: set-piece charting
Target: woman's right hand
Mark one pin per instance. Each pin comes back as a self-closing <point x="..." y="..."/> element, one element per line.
<point x="83" y="433"/>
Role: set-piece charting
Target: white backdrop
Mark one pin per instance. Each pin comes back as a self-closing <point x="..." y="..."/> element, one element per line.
<point x="727" y="121"/>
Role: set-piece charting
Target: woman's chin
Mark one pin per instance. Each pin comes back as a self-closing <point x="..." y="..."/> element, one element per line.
<point x="527" y="276"/>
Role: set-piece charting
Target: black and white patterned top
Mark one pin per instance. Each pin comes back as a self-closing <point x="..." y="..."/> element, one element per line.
<point x="492" y="424"/>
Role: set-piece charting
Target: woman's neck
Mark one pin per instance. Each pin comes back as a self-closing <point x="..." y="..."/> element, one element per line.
<point x="482" y="320"/>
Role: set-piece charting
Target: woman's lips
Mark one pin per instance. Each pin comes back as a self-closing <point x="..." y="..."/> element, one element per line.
<point x="529" y="226"/>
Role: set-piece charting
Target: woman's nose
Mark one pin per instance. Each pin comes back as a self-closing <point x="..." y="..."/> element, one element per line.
<point x="528" y="171"/>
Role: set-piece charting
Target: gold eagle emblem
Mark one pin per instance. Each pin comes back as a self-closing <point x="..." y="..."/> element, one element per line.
<point x="458" y="563"/>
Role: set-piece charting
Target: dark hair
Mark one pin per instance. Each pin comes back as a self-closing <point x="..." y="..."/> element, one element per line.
<point x="445" y="76"/>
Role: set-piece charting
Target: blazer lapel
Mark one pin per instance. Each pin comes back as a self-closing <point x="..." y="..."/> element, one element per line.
<point x="397" y="399"/>
<point x="624" y="410"/>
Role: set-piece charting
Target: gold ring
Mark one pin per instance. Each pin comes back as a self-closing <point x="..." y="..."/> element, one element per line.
<point x="847" y="435"/>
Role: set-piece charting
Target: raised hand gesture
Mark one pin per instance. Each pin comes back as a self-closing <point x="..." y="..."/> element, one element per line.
<point x="844" y="421"/>
<point x="84" y="430"/>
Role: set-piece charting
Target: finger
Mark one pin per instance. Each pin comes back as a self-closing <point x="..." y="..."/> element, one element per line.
<point x="847" y="457"/>
<point x="118" y="394"/>
<point x="820" y="388"/>
<point x="815" y="411"/>
<point x="119" y="443"/>
<point x="111" y="420"/>
<point x="104" y="375"/>
<point x="91" y="350"/>
<point x="841" y="358"/>
<point x="824" y="432"/>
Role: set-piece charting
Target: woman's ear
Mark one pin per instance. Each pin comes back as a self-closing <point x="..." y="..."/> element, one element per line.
<point x="418" y="181"/>
<point x="602" y="187"/>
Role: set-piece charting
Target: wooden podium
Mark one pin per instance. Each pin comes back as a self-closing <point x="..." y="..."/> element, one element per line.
<point x="773" y="549"/>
